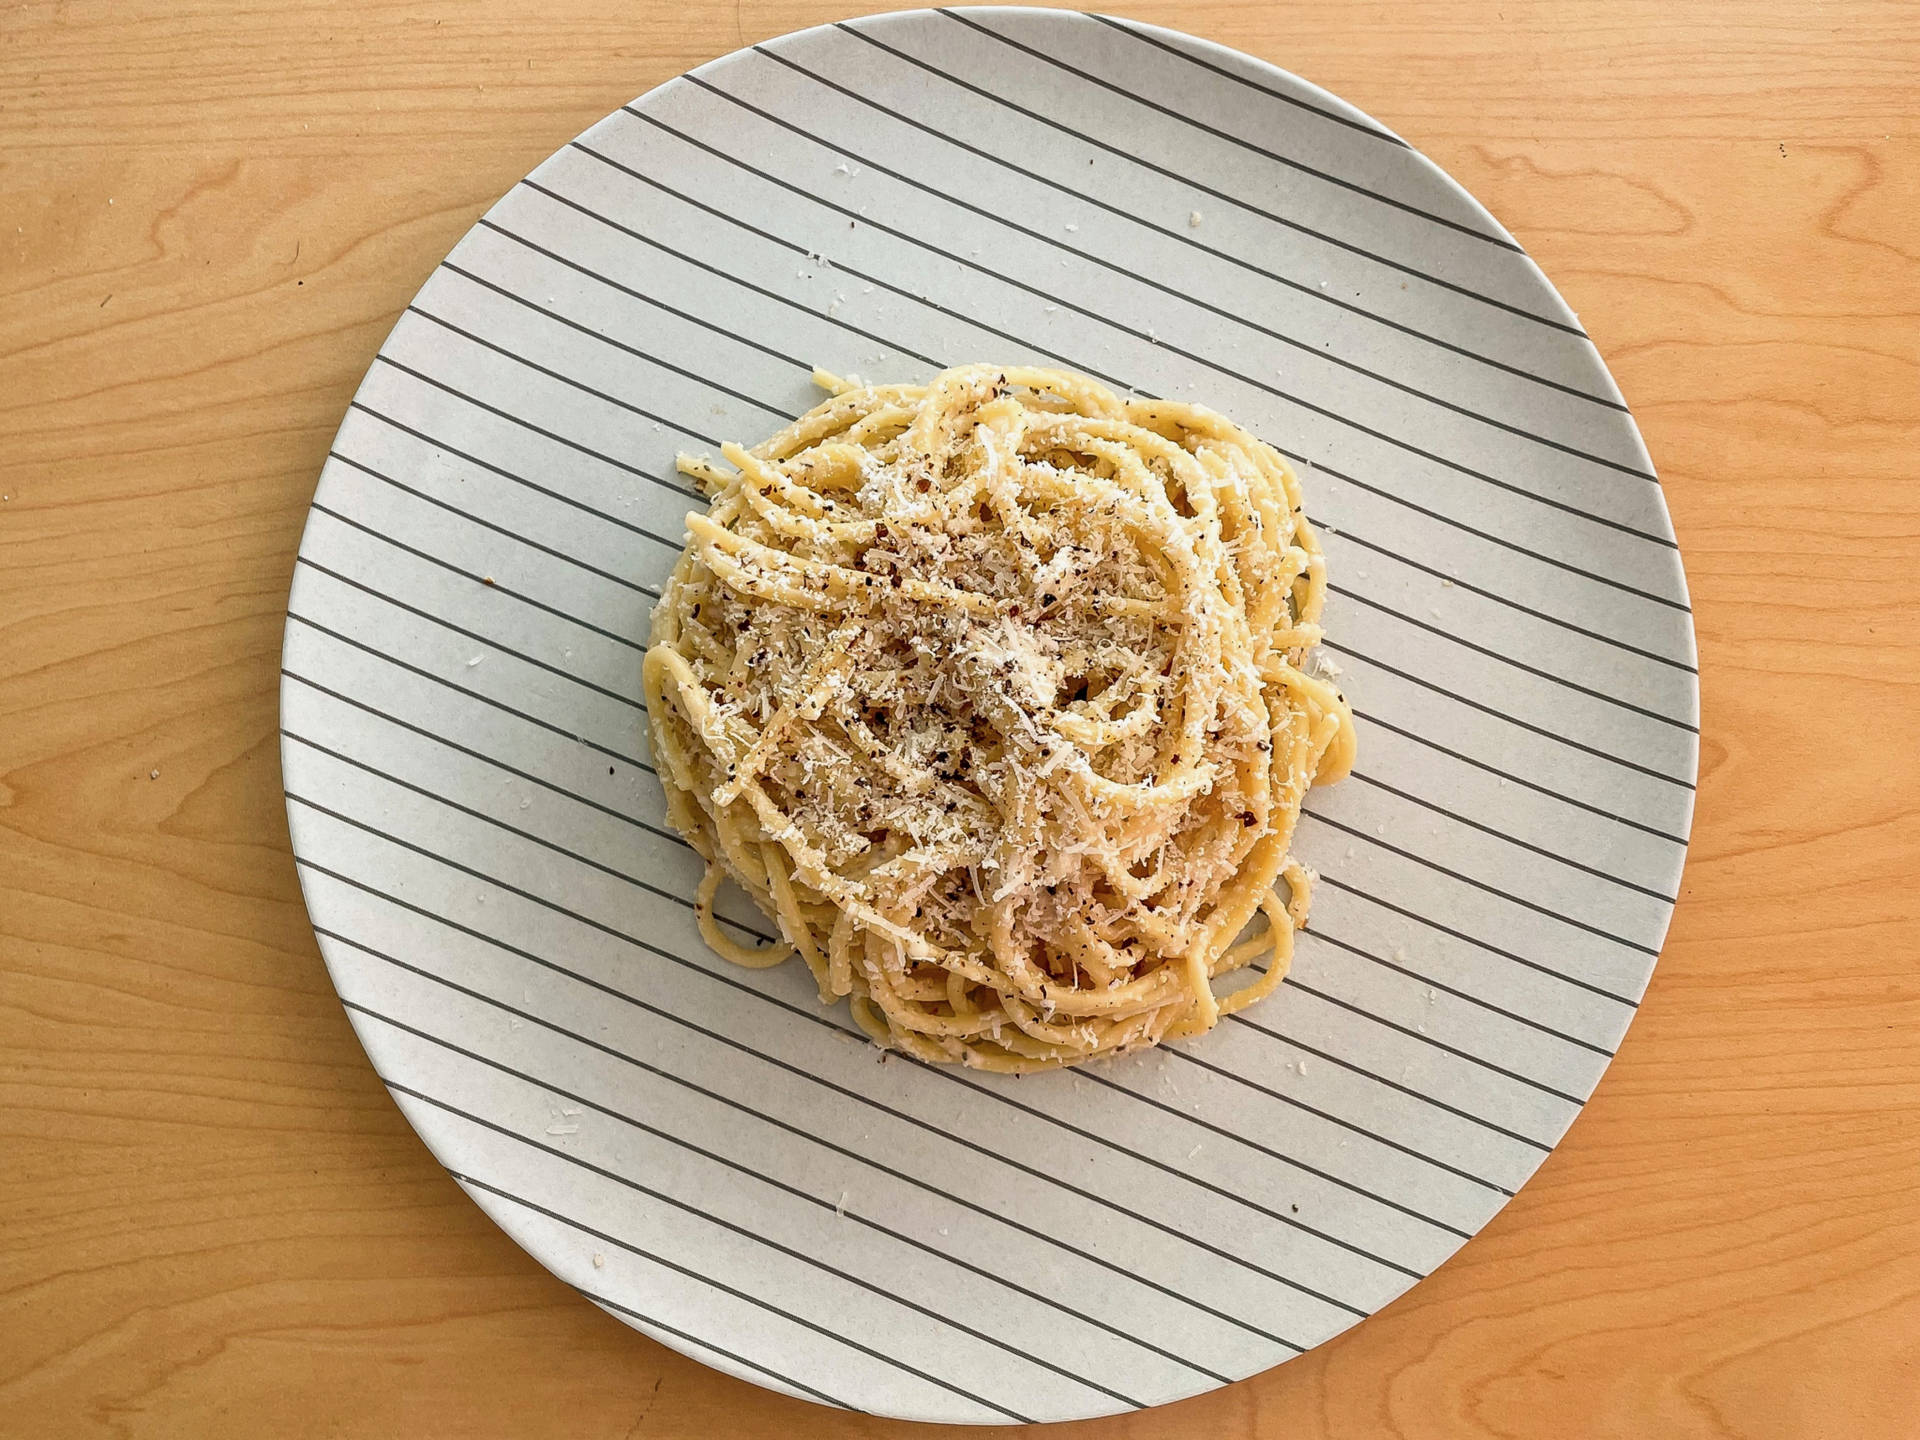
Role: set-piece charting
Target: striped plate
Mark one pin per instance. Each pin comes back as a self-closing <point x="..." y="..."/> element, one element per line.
<point x="705" y="1151"/>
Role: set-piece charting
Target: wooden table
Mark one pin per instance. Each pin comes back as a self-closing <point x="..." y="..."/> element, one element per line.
<point x="212" y="1219"/>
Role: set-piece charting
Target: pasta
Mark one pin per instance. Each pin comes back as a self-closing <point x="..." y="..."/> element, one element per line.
<point x="991" y="693"/>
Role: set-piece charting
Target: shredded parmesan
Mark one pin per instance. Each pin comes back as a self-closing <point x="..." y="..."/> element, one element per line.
<point x="992" y="694"/>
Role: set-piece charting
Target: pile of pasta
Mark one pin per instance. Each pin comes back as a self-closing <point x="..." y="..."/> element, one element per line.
<point x="990" y="693"/>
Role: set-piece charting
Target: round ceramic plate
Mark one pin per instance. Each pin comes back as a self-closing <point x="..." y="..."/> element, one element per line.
<point x="706" y="1151"/>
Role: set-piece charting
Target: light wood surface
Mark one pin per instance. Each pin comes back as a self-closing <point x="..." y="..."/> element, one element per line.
<point x="213" y="1222"/>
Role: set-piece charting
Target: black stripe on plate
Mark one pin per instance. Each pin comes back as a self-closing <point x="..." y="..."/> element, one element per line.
<point x="475" y="519"/>
<point x="1275" y="1032"/>
<point x="1001" y="1097"/>
<point x="1380" y="843"/>
<point x="712" y="269"/>
<point x="1495" y="770"/>
<point x="542" y="1083"/>
<point x="565" y="499"/>
<point x="1493" y="595"/>
<point x="606" y="1304"/>
<point x="1349" y="534"/>
<point x="794" y="247"/>
<point x="1212" y="1068"/>
<point x="473" y="635"/>
<point x="525" y="424"/>
<point x="1236" y="201"/>
<point x="1473" y="940"/>
<point x="565" y="379"/>
<point x="769" y="939"/>
<point x="1518" y="549"/>
<point x="1471" y="232"/>
<point x="555" y="846"/>
<point x="746" y="341"/>
<point x="548" y="725"/>
<point x="1341" y="648"/>
<point x="809" y="1137"/>
<point x="1414" y="1034"/>
<point x="499" y="646"/>
<point x="1175" y="1052"/>
<point x="497" y="586"/>
<point x="1498" y="714"/>
<point x="1455" y="638"/>
<point x="440" y="739"/>
<point x="1084" y="367"/>
<point x="1239" y="261"/>
<point x="706" y="380"/>
<point x="942" y="1073"/>
<point x="1540" y="850"/>
<point x="1030" y="1232"/>
<point x="1129" y="272"/>
<point x="1319" y="930"/>
<point x="765" y="938"/>
<point x="1076" y="364"/>
<point x="808" y="1076"/>
<point x="1115" y="381"/>
<point x="1272" y="93"/>
<point x="666" y="1264"/>
<point x="1145" y="336"/>
<point x="644" y="766"/>
<point x="479" y="580"/>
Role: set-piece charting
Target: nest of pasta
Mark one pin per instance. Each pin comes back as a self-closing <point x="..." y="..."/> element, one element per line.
<point x="990" y="693"/>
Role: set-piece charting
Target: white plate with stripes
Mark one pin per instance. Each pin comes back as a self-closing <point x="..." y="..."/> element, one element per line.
<point x="705" y="1151"/>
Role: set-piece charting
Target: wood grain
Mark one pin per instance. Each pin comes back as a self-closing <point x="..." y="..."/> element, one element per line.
<point x="212" y="1220"/>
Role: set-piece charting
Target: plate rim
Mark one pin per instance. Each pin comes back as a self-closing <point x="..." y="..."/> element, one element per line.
<point x="509" y="1218"/>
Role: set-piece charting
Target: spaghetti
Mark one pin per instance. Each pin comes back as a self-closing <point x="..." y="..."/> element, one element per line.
<point x="990" y="692"/>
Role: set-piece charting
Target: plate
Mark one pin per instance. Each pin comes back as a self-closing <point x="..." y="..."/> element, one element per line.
<point x="705" y="1151"/>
